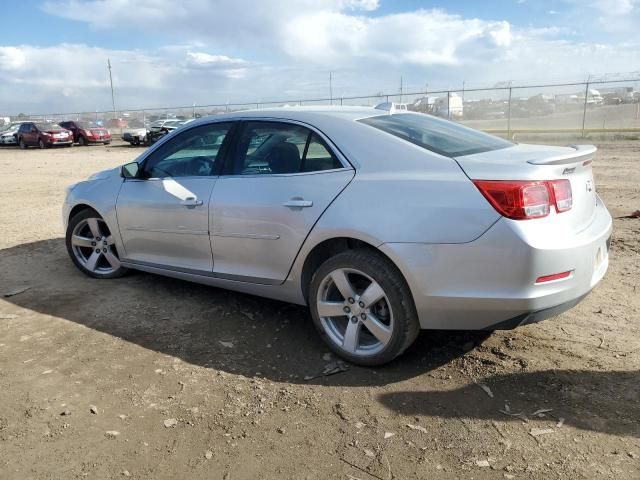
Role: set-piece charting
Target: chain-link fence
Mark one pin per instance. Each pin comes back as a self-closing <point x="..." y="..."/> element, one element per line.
<point x="578" y="108"/>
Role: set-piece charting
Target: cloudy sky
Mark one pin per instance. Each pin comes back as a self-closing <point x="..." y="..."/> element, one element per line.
<point x="53" y="53"/>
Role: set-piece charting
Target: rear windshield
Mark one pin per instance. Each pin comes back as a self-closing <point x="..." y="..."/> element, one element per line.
<point x="440" y="136"/>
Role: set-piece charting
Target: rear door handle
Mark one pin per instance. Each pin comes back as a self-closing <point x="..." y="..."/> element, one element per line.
<point x="298" y="202"/>
<point x="191" y="202"/>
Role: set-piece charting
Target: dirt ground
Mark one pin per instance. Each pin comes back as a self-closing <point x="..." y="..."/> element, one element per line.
<point x="188" y="381"/>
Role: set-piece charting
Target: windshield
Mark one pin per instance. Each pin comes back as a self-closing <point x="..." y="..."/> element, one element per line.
<point x="440" y="136"/>
<point x="48" y="126"/>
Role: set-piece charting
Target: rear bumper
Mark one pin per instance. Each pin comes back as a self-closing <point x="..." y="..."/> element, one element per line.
<point x="128" y="137"/>
<point x="490" y="283"/>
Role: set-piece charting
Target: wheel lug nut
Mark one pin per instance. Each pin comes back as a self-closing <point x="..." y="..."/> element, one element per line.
<point x="97" y="239"/>
<point x="363" y="316"/>
<point x="97" y="250"/>
<point x="347" y="310"/>
<point x="354" y="319"/>
<point x="104" y="250"/>
<point x="351" y="300"/>
<point x="93" y="244"/>
<point x="361" y="304"/>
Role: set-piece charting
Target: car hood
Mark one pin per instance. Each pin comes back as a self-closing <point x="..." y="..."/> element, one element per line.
<point x="112" y="172"/>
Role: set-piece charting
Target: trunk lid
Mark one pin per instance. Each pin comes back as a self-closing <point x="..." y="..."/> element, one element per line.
<point x="539" y="162"/>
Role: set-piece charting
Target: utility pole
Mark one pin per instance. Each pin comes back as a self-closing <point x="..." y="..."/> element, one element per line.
<point x="331" y="87"/>
<point x="400" y="88"/>
<point x="584" y="111"/>
<point x="113" y="101"/>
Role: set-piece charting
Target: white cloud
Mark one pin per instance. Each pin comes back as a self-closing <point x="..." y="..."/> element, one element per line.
<point x="423" y="37"/>
<point x="38" y="77"/>
<point x="11" y="58"/>
<point x="614" y="7"/>
<point x="243" y="50"/>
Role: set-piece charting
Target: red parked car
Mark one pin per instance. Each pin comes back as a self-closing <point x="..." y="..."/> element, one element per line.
<point x="43" y="135"/>
<point x="85" y="133"/>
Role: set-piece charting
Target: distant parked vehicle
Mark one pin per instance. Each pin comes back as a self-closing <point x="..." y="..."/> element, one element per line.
<point x="157" y="130"/>
<point x="117" y="123"/>
<point x="155" y="133"/>
<point x="43" y="135"/>
<point x="9" y="135"/>
<point x="85" y="133"/>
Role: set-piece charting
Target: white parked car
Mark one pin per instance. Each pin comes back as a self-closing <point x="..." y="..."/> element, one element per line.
<point x="8" y="136"/>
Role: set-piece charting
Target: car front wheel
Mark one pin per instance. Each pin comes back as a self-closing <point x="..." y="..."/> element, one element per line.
<point x="41" y="144"/>
<point x="362" y="307"/>
<point x="81" y="141"/>
<point x="22" y="144"/>
<point x="91" y="246"/>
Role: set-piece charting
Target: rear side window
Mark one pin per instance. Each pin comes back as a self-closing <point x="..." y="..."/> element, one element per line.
<point x="274" y="148"/>
<point x="439" y="136"/>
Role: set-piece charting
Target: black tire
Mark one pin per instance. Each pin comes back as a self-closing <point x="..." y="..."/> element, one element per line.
<point x="405" y="319"/>
<point x="81" y="141"/>
<point x="22" y="144"/>
<point x="41" y="144"/>
<point x="75" y="220"/>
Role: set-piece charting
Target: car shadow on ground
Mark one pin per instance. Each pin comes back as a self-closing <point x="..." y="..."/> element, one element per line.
<point x="202" y="325"/>
<point x="606" y="402"/>
<point x="255" y="337"/>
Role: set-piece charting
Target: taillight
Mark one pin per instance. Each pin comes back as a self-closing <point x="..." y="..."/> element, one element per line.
<point x="516" y="200"/>
<point x="524" y="200"/>
<point x="562" y="194"/>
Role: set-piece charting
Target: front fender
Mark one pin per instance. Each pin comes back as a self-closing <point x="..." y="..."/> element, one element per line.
<point x="100" y="195"/>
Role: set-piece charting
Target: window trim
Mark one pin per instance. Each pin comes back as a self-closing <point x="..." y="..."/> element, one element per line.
<point x="243" y="121"/>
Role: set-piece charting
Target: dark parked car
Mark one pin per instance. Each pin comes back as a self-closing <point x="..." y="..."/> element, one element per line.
<point x="43" y="135"/>
<point x="85" y="133"/>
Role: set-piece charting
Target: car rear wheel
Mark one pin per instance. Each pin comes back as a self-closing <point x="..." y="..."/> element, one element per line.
<point x="41" y="144"/>
<point x="81" y="141"/>
<point x="362" y="307"/>
<point x="22" y="144"/>
<point x="91" y="246"/>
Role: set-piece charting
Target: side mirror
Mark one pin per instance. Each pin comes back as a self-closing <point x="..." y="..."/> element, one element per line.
<point x="130" y="170"/>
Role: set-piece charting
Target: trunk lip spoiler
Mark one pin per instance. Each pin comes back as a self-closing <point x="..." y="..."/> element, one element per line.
<point x="582" y="153"/>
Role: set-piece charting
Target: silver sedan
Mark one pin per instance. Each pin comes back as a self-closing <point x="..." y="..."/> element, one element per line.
<point x="383" y="222"/>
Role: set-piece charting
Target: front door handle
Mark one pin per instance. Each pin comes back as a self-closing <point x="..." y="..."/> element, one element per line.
<point x="191" y="202"/>
<point x="298" y="202"/>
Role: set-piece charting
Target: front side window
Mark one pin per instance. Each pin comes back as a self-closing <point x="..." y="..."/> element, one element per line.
<point x="440" y="136"/>
<point x="193" y="153"/>
<point x="274" y="148"/>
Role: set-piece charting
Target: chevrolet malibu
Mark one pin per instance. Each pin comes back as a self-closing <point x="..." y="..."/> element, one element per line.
<point x="383" y="222"/>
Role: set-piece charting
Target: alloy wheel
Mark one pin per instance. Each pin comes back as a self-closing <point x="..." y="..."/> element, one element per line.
<point x="94" y="246"/>
<point x="355" y="312"/>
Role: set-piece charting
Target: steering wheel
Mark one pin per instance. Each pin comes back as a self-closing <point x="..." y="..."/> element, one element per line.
<point x="200" y="166"/>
